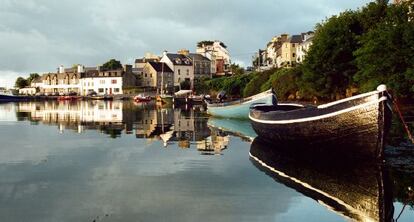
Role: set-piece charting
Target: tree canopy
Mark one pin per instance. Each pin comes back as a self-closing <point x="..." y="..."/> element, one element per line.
<point x="112" y="65"/>
<point x="21" y="82"/>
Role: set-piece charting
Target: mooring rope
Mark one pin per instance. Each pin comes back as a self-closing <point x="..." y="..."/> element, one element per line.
<point x="397" y="108"/>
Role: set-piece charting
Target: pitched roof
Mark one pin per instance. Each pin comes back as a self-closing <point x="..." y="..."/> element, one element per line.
<point x="144" y="60"/>
<point x="37" y="80"/>
<point x="198" y="57"/>
<point x="295" y="39"/>
<point x="91" y="73"/>
<point x="179" y="59"/>
<point x="158" y="66"/>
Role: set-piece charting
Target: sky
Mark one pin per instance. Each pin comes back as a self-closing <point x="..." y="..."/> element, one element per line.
<point x="40" y="35"/>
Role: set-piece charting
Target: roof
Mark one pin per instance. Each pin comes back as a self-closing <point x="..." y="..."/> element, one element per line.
<point x="137" y="70"/>
<point x="144" y="60"/>
<point x="91" y="73"/>
<point x="295" y="39"/>
<point x="198" y="57"/>
<point x="37" y="80"/>
<point x="160" y="67"/>
<point x="179" y="59"/>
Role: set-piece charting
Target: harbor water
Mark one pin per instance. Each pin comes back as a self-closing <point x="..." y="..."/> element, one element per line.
<point x="125" y="161"/>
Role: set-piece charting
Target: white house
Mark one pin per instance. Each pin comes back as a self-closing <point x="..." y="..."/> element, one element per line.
<point x="304" y="47"/>
<point x="181" y="65"/>
<point x="217" y="52"/>
<point x="108" y="82"/>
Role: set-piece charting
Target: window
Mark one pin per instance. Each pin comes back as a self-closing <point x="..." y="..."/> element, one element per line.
<point x="102" y="81"/>
<point x="116" y="90"/>
<point x="179" y="71"/>
<point x="293" y="44"/>
<point x="293" y="54"/>
<point x="145" y="75"/>
<point x="113" y="81"/>
<point x="100" y="90"/>
<point x="188" y="72"/>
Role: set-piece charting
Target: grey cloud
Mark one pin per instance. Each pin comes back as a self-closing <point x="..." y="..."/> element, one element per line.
<point x="39" y="35"/>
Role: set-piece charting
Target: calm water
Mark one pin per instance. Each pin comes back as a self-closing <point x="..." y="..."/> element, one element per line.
<point x="120" y="161"/>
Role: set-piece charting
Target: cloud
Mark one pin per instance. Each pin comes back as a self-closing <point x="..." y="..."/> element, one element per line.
<point x="42" y="34"/>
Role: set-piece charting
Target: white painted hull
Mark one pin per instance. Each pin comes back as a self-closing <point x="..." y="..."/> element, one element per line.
<point x="239" y="110"/>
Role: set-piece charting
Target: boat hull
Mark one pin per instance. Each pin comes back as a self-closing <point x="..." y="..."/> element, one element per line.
<point x="357" y="131"/>
<point x="239" y="110"/>
<point x="7" y="98"/>
<point x="357" y="191"/>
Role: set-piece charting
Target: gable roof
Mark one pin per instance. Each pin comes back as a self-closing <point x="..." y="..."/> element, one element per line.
<point x="198" y="57"/>
<point x="158" y="66"/>
<point x="179" y="59"/>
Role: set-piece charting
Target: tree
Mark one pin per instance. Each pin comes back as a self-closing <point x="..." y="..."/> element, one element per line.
<point x="32" y="77"/>
<point x="112" y="65"/>
<point x="236" y="69"/>
<point x="185" y="85"/>
<point x="330" y="64"/>
<point x="21" y="82"/>
<point x="386" y="54"/>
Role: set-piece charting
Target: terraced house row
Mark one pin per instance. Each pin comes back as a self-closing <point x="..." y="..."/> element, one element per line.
<point x="166" y="73"/>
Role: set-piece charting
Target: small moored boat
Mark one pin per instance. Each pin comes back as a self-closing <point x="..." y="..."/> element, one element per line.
<point x="240" y="108"/>
<point x="7" y="96"/>
<point x="360" y="122"/>
<point x="142" y="98"/>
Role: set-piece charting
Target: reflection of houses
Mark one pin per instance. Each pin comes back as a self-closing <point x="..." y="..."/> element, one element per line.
<point x="78" y="115"/>
<point x="152" y="123"/>
<point x="216" y="143"/>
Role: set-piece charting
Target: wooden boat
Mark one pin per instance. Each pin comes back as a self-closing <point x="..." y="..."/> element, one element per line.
<point x="142" y="98"/>
<point x="356" y="191"/>
<point x="240" y="108"/>
<point x="356" y="125"/>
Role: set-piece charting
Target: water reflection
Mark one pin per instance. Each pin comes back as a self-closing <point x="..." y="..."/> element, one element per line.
<point x="359" y="192"/>
<point x="183" y="126"/>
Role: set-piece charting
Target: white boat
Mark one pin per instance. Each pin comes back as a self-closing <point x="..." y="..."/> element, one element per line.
<point x="240" y="108"/>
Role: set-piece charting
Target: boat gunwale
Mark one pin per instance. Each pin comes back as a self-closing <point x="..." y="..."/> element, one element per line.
<point x="318" y="117"/>
<point x="240" y="101"/>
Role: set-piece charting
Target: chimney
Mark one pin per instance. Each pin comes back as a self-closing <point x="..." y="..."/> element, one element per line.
<point x="81" y="69"/>
<point x="61" y="69"/>
<point x="165" y="53"/>
<point x="183" y="52"/>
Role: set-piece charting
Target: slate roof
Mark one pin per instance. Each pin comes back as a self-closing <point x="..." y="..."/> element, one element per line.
<point x="198" y="57"/>
<point x="158" y="66"/>
<point x="179" y="59"/>
<point x="144" y="60"/>
<point x="295" y="39"/>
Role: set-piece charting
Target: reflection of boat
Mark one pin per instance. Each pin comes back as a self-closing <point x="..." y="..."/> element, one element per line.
<point x="360" y="122"/>
<point x="142" y="98"/>
<point x="358" y="192"/>
<point x="240" y="108"/>
<point x="237" y="127"/>
<point x="7" y="96"/>
<point x="101" y="97"/>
